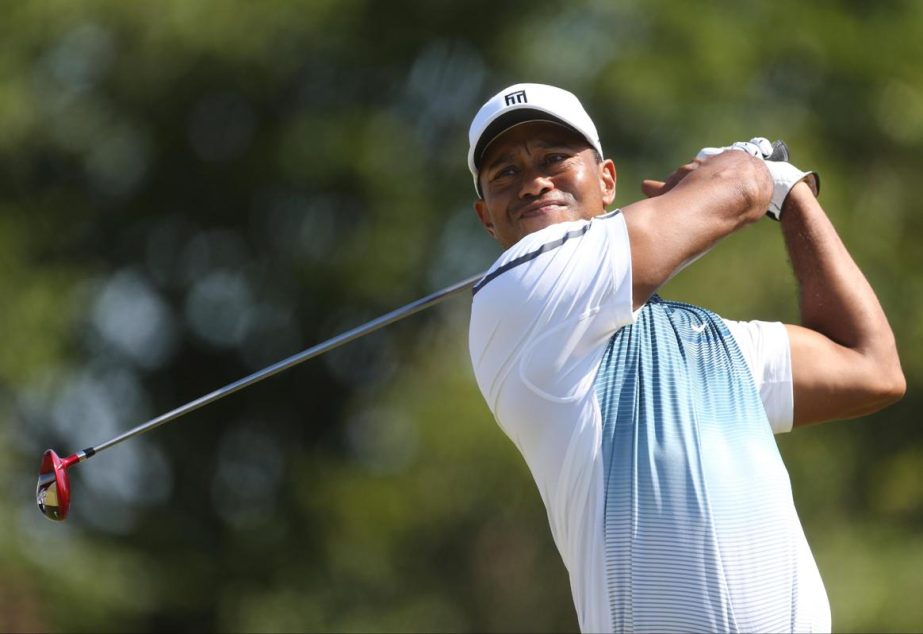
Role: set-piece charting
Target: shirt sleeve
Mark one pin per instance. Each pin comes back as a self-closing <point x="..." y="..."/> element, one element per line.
<point x="766" y="349"/>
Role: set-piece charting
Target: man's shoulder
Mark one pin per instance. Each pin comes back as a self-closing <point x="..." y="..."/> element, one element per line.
<point x="552" y="236"/>
<point x="542" y="242"/>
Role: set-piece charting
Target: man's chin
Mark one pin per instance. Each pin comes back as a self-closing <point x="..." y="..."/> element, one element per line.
<point x="537" y="222"/>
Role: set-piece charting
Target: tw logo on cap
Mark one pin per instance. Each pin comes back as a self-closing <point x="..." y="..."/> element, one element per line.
<point x="515" y="97"/>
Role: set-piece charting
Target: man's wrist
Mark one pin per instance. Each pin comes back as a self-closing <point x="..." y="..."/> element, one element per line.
<point x="798" y="197"/>
<point x="784" y="177"/>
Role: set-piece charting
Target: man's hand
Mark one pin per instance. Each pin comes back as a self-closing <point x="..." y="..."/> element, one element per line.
<point x="760" y="147"/>
<point x="652" y="188"/>
<point x="784" y="178"/>
<point x="757" y="147"/>
<point x="774" y="155"/>
<point x="784" y="175"/>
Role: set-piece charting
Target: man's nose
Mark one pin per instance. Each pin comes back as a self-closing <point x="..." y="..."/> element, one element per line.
<point x="534" y="183"/>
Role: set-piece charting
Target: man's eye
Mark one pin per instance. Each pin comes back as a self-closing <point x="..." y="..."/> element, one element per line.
<point x="509" y="170"/>
<point x="555" y="158"/>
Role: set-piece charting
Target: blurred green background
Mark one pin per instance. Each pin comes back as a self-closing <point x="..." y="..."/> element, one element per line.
<point x="192" y="190"/>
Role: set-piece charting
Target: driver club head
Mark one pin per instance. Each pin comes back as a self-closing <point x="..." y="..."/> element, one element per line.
<point x="52" y="493"/>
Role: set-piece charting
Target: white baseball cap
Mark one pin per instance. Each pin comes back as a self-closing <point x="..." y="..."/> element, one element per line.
<point x="521" y="103"/>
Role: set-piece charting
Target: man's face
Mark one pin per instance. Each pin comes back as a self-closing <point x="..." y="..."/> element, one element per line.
<point x="538" y="174"/>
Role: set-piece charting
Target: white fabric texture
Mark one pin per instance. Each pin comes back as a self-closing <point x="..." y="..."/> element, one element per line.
<point x="765" y="347"/>
<point x="585" y="284"/>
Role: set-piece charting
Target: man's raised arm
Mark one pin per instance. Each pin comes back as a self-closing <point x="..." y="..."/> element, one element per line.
<point x="684" y="217"/>
<point x="844" y="356"/>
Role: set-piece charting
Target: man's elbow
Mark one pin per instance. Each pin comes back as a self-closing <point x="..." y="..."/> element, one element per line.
<point x="888" y="387"/>
<point x="896" y="388"/>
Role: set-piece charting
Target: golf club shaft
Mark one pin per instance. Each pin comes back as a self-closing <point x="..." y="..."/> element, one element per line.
<point x="285" y="364"/>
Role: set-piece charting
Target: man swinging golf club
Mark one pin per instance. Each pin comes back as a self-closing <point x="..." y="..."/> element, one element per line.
<point x="648" y="424"/>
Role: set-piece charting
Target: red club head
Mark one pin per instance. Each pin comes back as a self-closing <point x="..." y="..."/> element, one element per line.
<point x="52" y="493"/>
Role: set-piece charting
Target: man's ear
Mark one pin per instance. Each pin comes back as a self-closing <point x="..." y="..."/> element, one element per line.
<point x="480" y="208"/>
<point x="607" y="180"/>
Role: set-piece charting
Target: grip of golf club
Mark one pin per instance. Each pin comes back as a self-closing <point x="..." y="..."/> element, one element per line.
<point x="779" y="151"/>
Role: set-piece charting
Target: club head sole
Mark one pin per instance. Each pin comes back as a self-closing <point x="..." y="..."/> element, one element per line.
<point x="52" y="492"/>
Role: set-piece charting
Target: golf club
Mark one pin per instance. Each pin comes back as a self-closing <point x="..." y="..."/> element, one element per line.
<point x="52" y="493"/>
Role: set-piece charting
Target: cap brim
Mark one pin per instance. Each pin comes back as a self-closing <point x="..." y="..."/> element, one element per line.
<point x="508" y="120"/>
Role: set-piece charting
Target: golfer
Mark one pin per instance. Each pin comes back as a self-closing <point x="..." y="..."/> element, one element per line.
<point x="648" y="424"/>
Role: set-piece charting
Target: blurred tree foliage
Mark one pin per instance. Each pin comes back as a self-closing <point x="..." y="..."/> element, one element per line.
<point x="190" y="191"/>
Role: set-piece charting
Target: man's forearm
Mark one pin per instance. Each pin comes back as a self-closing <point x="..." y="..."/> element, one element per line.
<point x="835" y="298"/>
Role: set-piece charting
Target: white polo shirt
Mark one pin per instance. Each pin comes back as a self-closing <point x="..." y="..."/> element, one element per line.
<point x="649" y="436"/>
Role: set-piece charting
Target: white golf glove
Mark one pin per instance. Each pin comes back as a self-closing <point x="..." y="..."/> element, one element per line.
<point x="759" y="147"/>
<point x="784" y="174"/>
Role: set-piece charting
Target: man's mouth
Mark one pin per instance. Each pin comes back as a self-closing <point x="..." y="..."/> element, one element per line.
<point x="540" y="208"/>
